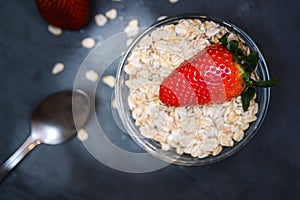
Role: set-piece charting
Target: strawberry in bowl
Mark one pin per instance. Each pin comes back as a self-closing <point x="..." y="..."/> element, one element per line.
<point x="193" y="90"/>
<point x="216" y="74"/>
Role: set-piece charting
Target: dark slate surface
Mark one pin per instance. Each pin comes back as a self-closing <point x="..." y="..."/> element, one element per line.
<point x="267" y="168"/>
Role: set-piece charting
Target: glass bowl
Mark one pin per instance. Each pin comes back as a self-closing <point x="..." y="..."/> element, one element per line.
<point x="153" y="147"/>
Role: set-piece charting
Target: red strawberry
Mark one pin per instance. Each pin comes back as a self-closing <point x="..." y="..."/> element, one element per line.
<point x="214" y="75"/>
<point x="66" y="14"/>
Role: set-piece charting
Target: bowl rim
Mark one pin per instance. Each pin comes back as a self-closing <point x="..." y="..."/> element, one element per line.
<point x="265" y="94"/>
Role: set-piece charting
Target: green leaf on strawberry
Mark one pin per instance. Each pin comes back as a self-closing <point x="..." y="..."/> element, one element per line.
<point x="224" y="39"/>
<point x="247" y="95"/>
<point x="249" y="62"/>
<point x="233" y="46"/>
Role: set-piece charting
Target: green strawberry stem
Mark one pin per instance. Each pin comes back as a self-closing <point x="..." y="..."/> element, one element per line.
<point x="267" y="83"/>
<point x="247" y="64"/>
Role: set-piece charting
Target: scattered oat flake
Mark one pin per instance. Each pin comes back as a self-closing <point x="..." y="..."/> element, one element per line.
<point x="114" y="104"/>
<point x="134" y="22"/>
<point x="100" y="20"/>
<point x="109" y="80"/>
<point x="54" y="30"/>
<point x="129" y="41"/>
<point x="58" y="67"/>
<point x="88" y="42"/>
<point x="82" y="135"/>
<point x="161" y="17"/>
<point x="111" y="14"/>
<point x="173" y="1"/>
<point x="91" y="76"/>
<point x="132" y="29"/>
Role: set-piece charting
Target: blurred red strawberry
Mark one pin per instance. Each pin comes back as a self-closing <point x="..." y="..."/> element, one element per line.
<point x="66" y="14"/>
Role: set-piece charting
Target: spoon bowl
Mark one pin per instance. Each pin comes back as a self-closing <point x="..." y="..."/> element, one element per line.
<point x="53" y="122"/>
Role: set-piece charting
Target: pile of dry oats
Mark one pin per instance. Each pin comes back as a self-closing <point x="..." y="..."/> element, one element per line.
<point x="196" y="130"/>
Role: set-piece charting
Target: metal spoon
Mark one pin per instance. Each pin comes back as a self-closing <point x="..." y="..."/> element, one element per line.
<point x="53" y="122"/>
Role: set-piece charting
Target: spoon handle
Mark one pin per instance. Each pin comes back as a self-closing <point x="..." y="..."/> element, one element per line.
<point x="29" y="144"/>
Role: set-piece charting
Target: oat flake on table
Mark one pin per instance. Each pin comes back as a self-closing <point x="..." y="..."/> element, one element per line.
<point x="100" y="20"/>
<point x="111" y="14"/>
<point x="82" y="135"/>
<point x="173" y="1"/>
<point x="54" y="30"/>
<point x="161" y="17"/>
<point x="132" y="28"/>
<point x="91" y="76"/>
<point x="196" y="130"/>
<point x="88" y="42"/>
<point x="58" y="68"/>
<point x="109" y="81"/>
<point x="114" y="104"/>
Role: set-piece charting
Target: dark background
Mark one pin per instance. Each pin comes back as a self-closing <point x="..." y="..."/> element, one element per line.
<point x="267" y="168"/>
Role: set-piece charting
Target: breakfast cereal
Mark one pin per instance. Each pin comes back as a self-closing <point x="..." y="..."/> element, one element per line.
<point x="199" y="131"/>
